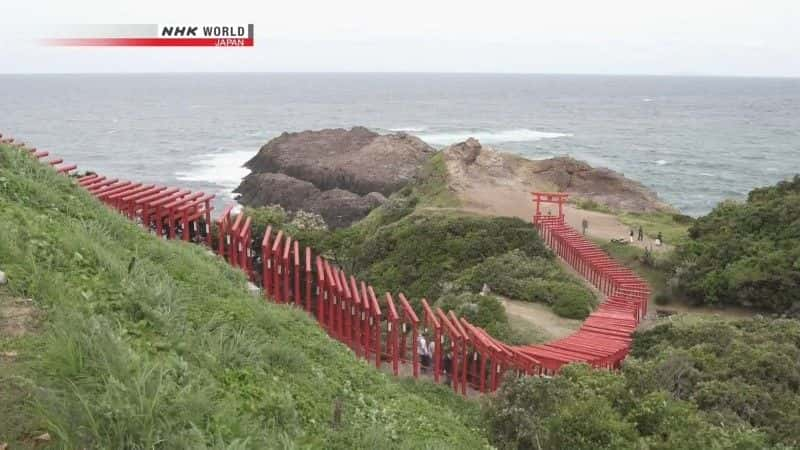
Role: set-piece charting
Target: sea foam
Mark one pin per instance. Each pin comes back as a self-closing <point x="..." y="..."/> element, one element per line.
<point x="223" y="169"/>
<point x="489" y="137"/>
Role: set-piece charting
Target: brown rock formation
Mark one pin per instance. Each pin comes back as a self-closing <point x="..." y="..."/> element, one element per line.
<point x="473" y="168"/>
<point x="337" y="173"/>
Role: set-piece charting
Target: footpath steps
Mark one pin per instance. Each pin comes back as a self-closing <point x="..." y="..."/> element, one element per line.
<point x="383" y="328"/>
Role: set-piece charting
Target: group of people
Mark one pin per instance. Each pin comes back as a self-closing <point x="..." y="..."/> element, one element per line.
<point x="425" y="350"/>
<point x="640" y="237"/>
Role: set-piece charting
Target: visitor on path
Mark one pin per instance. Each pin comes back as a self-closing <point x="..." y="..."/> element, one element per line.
<point x="585" y="226"/>
<point x="659" y="239"/>
<point x="641" y="233"/>
<point x="447" y="368"/>
<point x="422" y="350"/>
<point x="631" y="235"/>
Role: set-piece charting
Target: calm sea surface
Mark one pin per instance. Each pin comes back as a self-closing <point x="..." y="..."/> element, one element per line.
<point x="695" y="141"/>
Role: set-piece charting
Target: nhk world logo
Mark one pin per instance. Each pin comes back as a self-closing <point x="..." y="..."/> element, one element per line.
<point x="153" y="35"/>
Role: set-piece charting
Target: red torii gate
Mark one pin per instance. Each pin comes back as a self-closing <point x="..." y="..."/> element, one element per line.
<point x="557" y="198"/>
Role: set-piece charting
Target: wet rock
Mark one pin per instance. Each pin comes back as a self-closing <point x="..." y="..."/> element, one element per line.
<point x="263" y="189"/>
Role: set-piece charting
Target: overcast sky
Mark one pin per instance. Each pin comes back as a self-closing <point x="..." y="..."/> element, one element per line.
<point x="697" y="37"/>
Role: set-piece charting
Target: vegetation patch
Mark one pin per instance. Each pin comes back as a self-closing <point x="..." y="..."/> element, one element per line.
<point x="433" y="254"/>
<point x="674" y="228"/>
<point x="536" y="279"/>
<point x="746" y="253"/>
<point x="690" y="383"/>
<point x="655" y="268"/>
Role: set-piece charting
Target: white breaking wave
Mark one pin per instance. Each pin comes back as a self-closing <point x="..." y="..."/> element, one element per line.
<point x="662" y="162"/>
<point x="489" y="137"/>
<point x="224" y="169"/>
<point x="409" y="129"/>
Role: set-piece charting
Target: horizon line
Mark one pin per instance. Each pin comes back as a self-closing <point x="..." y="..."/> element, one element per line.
<point x="291" y="72"/>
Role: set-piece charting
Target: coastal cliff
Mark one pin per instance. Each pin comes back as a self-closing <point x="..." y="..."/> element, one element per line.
<point x="344" y="174"/>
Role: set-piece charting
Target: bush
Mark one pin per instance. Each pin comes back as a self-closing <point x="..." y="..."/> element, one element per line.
<point x="744" y="373"/>
<point x="746" y="253"/>
<point x="591" y="409"/>
<point x="571" y="300"/>
<point x="515" y="275"/>
<point x="422" y="253"/>
<point x="683" y="219"/>
<point x="479" y="310"/>
<point x="309" y="228"/>
<point x="662" y="299"/>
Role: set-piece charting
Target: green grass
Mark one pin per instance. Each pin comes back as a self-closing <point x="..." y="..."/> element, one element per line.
<point x="673" y="227"/>
<point x="523" y="332"/>
<point x="432" y="188"/>
<point x="591" y="205"/>
<point x="153" y="344"/>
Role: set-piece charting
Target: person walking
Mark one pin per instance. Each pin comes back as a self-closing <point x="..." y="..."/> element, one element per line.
<point x="422" y="350"/>
<point x="585" y="226"/>
<point x="631" y="235"/>
<point x="659" y="239"/>
<point x="641" y="233"/>
<point x="431" y="352"/>
<point x="447" y="368"/>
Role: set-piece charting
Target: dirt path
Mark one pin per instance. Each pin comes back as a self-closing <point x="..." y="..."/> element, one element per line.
<point x="515" y="201"/>
<point x="541" y="317"/>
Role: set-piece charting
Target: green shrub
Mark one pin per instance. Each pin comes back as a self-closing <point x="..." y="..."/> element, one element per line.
<point x="683" y="219"/>
<point x="590" y="409"/>
<point x="743" y="373"/>
<point x="422" y="253"/>
<point x="662" y="298"/>
<point x="479" y="310"/>
<point x="592" y="205"/>
<point x="308" y="228"/>
<point x="746" y="253"/>
<point x="571" y="300"/>
<point x="513" y="274"/>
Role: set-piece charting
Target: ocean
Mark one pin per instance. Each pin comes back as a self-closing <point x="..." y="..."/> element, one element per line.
<point x="695" y="141"/>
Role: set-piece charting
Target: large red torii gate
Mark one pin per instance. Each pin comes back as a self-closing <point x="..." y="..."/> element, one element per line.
<point x="556" y="198"/>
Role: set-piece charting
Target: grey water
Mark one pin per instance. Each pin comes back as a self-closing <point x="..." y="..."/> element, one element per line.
<point x="695" y="141"/>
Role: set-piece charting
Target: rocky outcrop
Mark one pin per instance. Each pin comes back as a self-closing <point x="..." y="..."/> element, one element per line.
<point x="473" y="168"/>
<point x="599" y="184"/>
<point x="337" y="173"/>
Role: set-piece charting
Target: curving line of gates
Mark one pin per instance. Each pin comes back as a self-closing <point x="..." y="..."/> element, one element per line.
<point x="384" y="329"/>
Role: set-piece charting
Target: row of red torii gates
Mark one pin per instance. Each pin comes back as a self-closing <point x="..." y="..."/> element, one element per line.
<point x="384" y="329"/>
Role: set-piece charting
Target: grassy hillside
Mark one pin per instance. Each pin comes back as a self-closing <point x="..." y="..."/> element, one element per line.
<point x="143" y="343"/>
